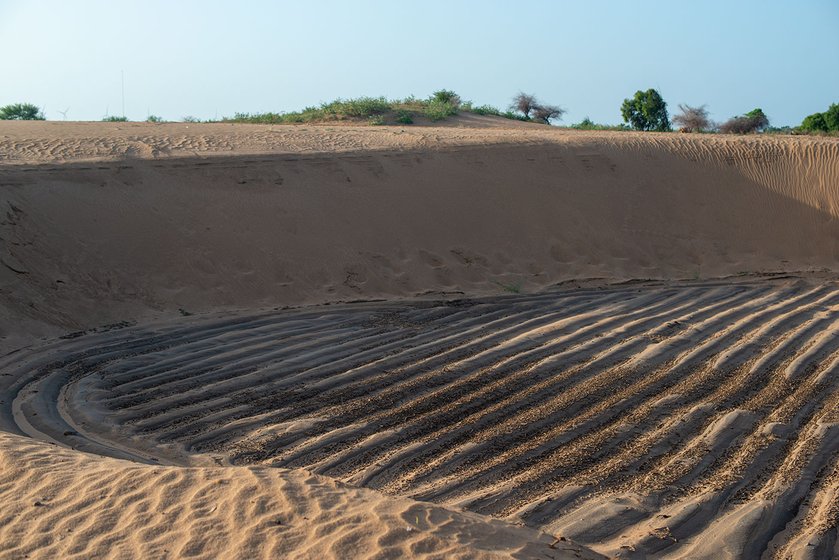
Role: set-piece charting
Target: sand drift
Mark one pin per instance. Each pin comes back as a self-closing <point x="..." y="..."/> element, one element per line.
<point x="680" y="419"/>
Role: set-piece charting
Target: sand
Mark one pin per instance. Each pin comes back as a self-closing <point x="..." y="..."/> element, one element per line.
<point x="625" y="340"/>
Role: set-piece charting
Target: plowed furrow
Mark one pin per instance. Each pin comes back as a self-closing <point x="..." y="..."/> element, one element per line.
<point x="648" y="417"/>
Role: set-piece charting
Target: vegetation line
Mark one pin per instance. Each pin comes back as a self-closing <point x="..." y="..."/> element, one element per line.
<point x="644" y="111"/>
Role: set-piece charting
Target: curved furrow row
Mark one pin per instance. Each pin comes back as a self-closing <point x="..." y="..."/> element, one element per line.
<point x="624" y="388"/>
<point x="415" y="386"/>
<point x="510" y="414"/>
<point x="647" y="417"/>
<point x="508" y="381"/>
<point x="335" y="382"/>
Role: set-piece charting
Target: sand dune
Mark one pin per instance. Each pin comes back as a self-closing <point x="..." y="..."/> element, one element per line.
<point x="625" y="340"/>
<point x="446" y="210"/>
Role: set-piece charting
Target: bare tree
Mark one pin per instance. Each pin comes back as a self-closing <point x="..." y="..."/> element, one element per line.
<point x="753" y="121"/>
<point x="524" y="103"/>
<point x="737" y="125"/>
<point x="692" y="119"/>
<point x="546" y="113"/>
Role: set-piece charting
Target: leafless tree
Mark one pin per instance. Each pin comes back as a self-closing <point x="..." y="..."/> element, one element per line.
<point x="742" y="125"/>
<point x="546" y="113"/>
<point x="736" y="125"/>
<point x="752" y="121"/>
<point x="524" y="103"/>
<point x="692" y="119"/>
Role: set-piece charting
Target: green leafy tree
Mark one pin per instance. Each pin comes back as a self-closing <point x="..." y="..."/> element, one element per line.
<point x="831" y="117"/>
<point x="646" y="111"/>
<point x="822" y="122"/>
<point x="21" y="112"/>
<point x="758" y="118"/>
<point x="815" y="123"/>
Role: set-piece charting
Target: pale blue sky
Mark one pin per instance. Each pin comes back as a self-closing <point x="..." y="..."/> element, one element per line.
<point x="211" y="58"/>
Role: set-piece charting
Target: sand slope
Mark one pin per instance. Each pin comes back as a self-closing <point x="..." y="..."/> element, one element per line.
<point x="342" y="213"/>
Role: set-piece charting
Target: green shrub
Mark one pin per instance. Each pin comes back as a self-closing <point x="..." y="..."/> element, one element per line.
<point x="404" y="117"/>
<point x="154" y="119"/>
<point x="515" y="116"/>
<point x="588" y="124"/>
<point x="21" y="112"/>
<point x="780" y="130"/>
<point x="446" y="96"/>
<point x="364" y="107"/>
<point x="487" y="110"/>
<point x="439" y="110"/>
<point x="376" y="110"/>
<point x="496" y="112"/>
<point x="113" y="118"/>
<point x="191" y="119"/>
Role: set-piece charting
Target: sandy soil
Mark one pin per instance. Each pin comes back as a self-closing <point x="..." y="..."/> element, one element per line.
<point x="65" y="504"/>
<point x="624" y="340"/>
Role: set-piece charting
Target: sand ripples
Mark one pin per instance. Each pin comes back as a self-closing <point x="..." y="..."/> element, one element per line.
<point x="651" y="418"/>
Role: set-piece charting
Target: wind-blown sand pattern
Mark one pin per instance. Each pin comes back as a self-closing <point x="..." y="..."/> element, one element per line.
<point x="633" y="418"/>
<point x="514" y="367"/>
<point x="65" y="504"/>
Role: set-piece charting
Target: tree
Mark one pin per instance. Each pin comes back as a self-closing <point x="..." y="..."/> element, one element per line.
<point x="692" y="119"/>
<point x="546" y="113"/>
<point x="21" y="112"/>
<point x="757" y="118"/>
<point x="822" y="122"/>
<point x="831" y="117"/>
<point x="815" y="123"/>
<point x="646" y="111"/>
<point x="532" y="109"/>
<point x="524" y="103"/>
<point x="753" y="121"/>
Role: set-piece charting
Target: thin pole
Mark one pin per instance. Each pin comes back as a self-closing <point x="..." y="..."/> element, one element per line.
<point x="123" y="92"/>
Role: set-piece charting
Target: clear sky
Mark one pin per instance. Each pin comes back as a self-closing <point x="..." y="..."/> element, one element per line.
<point x="210" y="58"/>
